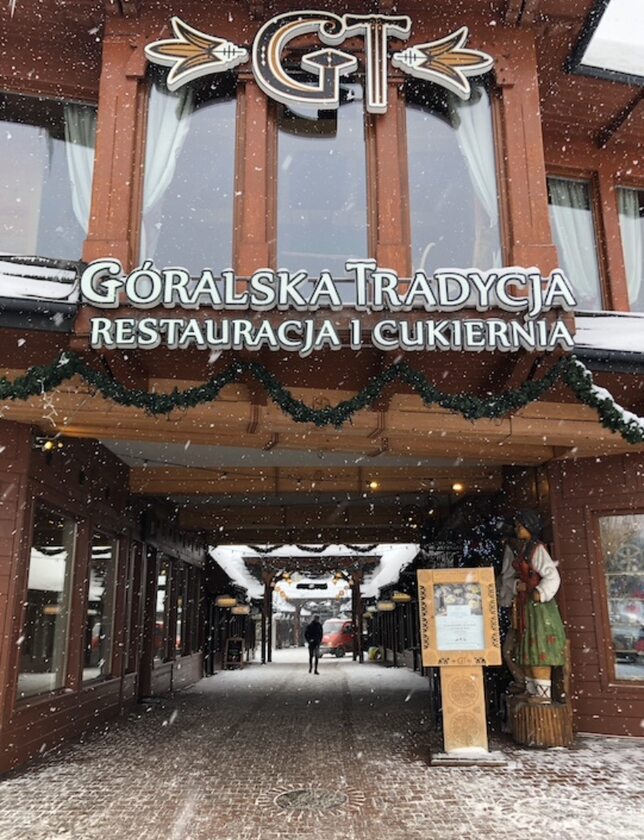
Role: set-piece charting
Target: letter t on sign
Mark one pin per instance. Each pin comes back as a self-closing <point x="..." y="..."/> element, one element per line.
<point x="376" y="31"/>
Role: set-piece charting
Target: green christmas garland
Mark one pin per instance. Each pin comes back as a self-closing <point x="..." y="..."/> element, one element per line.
<point x="44" y="378"/>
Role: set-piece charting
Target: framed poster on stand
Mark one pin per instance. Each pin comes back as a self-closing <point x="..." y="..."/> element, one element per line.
<point x="234" y="653"/>
<point x="459" y="629"/>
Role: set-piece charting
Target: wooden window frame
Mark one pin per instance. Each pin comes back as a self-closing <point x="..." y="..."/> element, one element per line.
<point x="591" y="178"/>
<point x="628" y="689"/>
<point x="118" y="594"/>
<point x="70" y="681"/>
<point x="632" y="182"/>
<point x="494" y="93"/>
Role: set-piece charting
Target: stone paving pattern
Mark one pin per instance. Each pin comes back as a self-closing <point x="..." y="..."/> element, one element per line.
<point x="209" y="763"/>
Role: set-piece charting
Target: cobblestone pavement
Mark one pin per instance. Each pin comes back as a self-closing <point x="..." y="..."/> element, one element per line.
<point x="225" y="759"/>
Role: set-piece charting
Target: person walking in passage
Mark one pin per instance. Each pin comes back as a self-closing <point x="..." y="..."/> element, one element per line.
<point x="313" y="635"/>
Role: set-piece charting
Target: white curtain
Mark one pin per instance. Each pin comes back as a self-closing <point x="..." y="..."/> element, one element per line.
<point x="471" y="121"/>
<point x="80" y="140"/>
<point x="632" y="227"/>
<point x="168" y="127"/>
<point x="575" y="237"/>
<point x="473" y="127"/>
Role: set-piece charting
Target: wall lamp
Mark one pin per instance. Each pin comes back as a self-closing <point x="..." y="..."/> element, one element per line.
<point x="385" y="606"/>
<point x="225" y="601"/>
<point x="45" y="444"/>
<point x="401" y="597"/>
<point x="241" y="609"/>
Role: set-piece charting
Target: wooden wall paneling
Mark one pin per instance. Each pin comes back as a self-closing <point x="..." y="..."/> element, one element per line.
<point x="15" y="509"/>
<point x="582" y="491"/>
<point x="524" y="187"/>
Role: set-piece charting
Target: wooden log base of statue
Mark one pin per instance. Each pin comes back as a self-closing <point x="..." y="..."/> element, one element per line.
<point x="540" y="725"/>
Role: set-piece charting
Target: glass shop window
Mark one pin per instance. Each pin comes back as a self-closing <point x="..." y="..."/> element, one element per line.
<point x="631" y="219"/>
<point x="573" y="229"/>
<point x="322" y="185"/>
<point x="453" y="192"/>
<point x="46" y="168"/>
<point x="188" y="189"/>
<point x="44" y="636"/>
<point x="162" y="621"/>
<point x="622" y="539"/>
<point x="99" y="626"/>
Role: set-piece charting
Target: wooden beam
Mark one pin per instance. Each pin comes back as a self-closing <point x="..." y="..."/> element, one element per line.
<point x="412" y="428"/>
<point x="168" y="481"/>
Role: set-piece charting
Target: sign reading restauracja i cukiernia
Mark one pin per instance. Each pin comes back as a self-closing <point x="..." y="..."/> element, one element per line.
<point x="523" y="293"/>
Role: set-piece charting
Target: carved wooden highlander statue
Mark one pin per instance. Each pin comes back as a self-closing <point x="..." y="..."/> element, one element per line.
<point x="538" y="642"/>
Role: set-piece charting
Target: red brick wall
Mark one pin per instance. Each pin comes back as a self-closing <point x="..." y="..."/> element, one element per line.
<point x="581" y="492"/>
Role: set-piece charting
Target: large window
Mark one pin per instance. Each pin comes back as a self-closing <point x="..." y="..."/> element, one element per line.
<point x="188" y="190"/>
<point x="631" y="218"/>
<point x="573" y="228"/>
<point x="46" y="165"/>
<point x="622" y="539"/>
<point x="99" y="627"/>
<point x="453" y="190"/>
<point x="322" y="186"/>
<point x="43" y="645"/>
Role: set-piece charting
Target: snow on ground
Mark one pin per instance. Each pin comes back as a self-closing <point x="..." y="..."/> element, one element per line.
<point x="211" y="763"/>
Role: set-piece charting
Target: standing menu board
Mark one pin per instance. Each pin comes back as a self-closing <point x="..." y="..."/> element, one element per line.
<point x="458" y="617"/>
<point x="234" y="652"/>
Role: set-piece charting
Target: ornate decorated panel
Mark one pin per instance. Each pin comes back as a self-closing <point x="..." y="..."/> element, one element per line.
<point x="458" y="617"/>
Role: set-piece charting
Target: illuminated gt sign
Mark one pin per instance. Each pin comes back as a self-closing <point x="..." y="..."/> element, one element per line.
<point x="446" y="61"/>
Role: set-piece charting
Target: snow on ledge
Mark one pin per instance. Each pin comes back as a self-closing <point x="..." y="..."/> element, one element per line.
<point x="35" y="282"/>
<point x="618" y="331"/>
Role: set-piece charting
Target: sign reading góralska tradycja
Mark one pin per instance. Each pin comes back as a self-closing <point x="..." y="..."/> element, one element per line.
<point x="450" y="298"/>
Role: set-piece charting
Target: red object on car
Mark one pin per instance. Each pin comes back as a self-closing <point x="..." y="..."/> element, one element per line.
<point x="337" y="637"/>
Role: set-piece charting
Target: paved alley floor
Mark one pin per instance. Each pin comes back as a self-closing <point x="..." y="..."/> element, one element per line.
<point x="270" y="753"/>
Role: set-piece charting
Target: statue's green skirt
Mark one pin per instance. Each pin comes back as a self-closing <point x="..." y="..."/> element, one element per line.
<point x="544" y="639"/>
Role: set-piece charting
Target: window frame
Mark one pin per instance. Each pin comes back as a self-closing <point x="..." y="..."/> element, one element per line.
<point x="68" y="678"/>
<point x="591" y="178"/>
<point x="494" y="93"/>
<point x="114" y="630"/>
<point x="636" y="184"/>
<point x="370" y="162"/>
<point x="631" y="689"/>
<point x="55" y="94"/>
<point x="141" y="131"/>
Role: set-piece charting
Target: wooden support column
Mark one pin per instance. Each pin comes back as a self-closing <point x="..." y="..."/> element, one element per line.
<point x="389" y="223"/>
<point x="254" y="216"/>
<point x="149" y="623"/>
<point x="358" y="615"/>
<point x="115" y="175"/>
<point x="354" y="617"/>
<point x="267" y="618"/>
<point x="615" y="282"/>
<point x="269" y="642"/>
<point x="394" y="635"/>
<point x="519" y="141"/>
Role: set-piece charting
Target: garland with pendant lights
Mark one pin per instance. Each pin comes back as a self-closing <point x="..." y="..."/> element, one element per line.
<point x="42" y="379"/>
